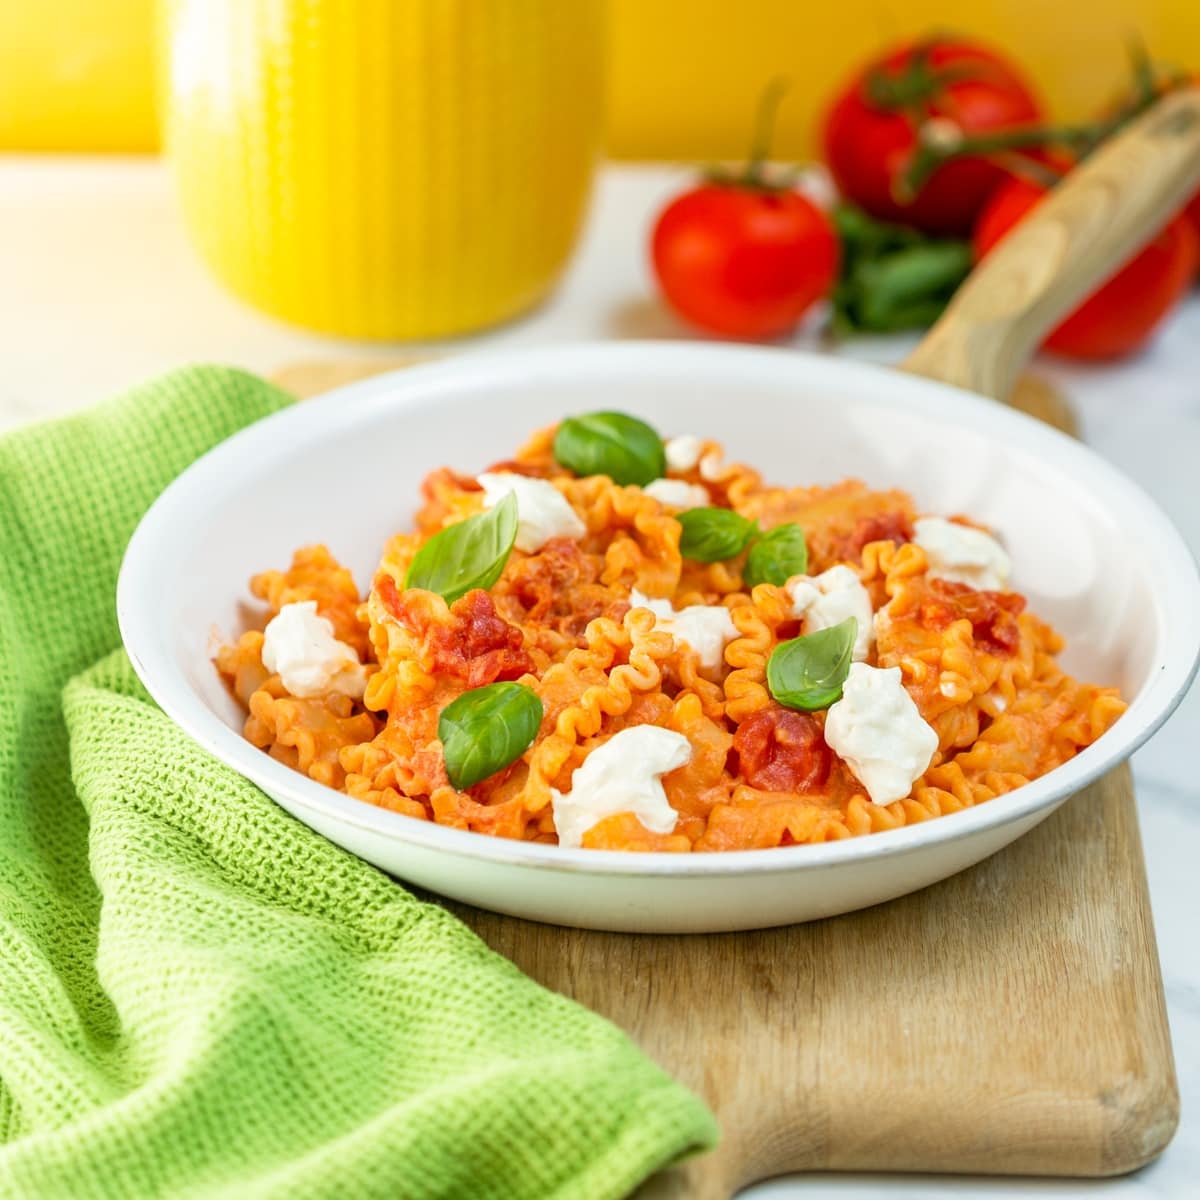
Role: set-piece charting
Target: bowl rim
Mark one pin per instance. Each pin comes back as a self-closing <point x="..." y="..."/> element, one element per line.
<point x="1174" y="667"/>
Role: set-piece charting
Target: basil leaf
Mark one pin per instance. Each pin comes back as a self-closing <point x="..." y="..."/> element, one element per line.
<point x="808" y="672"/>
<point x="892" y="277"/>
<point x="610" y="443"/>
<point x="713" y="534"/>
<point x="468" y="555"/>
<point x="485" y="729"/>
<point x="778" y="555"/>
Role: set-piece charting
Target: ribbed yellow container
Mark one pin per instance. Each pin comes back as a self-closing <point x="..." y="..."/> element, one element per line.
<point x="384" y="168"/>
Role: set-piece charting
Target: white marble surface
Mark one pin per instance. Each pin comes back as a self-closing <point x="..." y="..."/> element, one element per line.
<point x="98" y="288"/>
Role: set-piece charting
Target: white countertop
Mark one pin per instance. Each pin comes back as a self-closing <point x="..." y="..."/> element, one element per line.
<point x="99" y="289"/>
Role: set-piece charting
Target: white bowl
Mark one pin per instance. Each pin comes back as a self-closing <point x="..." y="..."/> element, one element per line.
<point x="1092" y="552"/>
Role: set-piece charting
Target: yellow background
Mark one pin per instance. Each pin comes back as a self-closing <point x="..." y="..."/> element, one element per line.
<point x="684" y="74"/>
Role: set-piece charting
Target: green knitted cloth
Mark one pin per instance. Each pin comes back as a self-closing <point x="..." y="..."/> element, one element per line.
<point x="198" y="995"/>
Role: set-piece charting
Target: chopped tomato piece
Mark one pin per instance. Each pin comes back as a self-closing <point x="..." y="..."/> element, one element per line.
<point x="993" y="615"/>
<point x="477" y="646"/>
<point x="558" y="587"/>
<point x="886" y="527"/>
<point x="782" y="751"/>
<point x="544" y="582"/>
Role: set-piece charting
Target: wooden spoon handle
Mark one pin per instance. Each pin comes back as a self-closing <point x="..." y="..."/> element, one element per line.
<point x="1093" y="222"/>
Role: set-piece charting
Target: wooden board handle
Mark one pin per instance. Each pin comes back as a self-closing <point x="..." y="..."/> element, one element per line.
<point x="1094" y="221"/>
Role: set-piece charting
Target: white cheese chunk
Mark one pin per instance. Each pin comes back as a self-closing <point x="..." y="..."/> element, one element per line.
<point x="879" y="732"/>
<point x="299" y="646"/>
<point x="623" y="775"/>
<point x="543" y="512"/>
<point x="961" y="554"/>
<point x="678" y="493"/>
<point x="828" y="599"/>
<point x="705" y="628"/>
<point x="712" y="466"/>
<point x="683" y="452"/>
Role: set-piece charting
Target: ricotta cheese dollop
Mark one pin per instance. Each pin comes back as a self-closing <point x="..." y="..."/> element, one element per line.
<point x="623" y="775"/>
<point x="706" y="628"/>
<point x="879" y="732"/>
<point x="683" y="452"/>
<point x="712" y="466"/>
<point x="678" y="493"/>
<point x="960" y="554"/>
<point x="543" y="512"/>
<point x="825" y="600"/>
<point x="299" y="646"/>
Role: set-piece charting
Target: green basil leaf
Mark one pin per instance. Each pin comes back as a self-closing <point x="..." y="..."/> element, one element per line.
<point x="808" y="672"/>
<point x="778" y="555"/>
<point x="610" y="443"/>
<point x="487" y="728"/>
<point x="468" y="555"/>
<point x="892" y="277"/>
<point x="713" y="534"/>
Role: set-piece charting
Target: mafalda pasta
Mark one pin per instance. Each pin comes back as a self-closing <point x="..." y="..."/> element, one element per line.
<point x="614" y="642"/>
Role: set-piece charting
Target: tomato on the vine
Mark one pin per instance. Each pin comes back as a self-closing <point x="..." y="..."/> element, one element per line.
<point x="940" y="86"/>
<point x="743" y="260"/>
<point x="1121" y="315"/>
<point x="742" y="255"/>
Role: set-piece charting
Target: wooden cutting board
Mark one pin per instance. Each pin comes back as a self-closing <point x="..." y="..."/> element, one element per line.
<point x="1009" y="1020"/>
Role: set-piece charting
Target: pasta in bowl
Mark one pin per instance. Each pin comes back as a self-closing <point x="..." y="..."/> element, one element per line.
<point x="1092" y="553"/>
<point x="616" y="641"/>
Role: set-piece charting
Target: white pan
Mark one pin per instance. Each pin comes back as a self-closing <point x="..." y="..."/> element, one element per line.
<point x="1092" y="552"/>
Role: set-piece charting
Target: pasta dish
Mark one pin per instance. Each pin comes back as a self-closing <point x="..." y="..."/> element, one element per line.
<point x="616" y="641"/>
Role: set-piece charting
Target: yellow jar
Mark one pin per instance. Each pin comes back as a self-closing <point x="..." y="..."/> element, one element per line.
<point x="384" y="168"/>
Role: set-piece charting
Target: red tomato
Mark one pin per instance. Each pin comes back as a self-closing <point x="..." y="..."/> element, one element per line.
<point x="870" y="136"/>
<point x="782" y="751"/>
<point x="743" y="260"/>
<point x="1120" y="316"/>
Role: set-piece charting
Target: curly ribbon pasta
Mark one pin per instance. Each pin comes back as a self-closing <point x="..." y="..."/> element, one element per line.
<point x="981" y="671"/>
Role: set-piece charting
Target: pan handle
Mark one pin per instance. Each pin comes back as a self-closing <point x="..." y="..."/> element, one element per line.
<point x="1094" y="221"/>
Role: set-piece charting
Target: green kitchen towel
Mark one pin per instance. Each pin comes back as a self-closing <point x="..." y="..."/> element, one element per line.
<point x="199" y="996"/>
